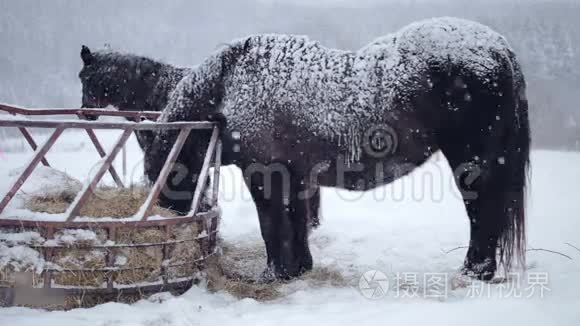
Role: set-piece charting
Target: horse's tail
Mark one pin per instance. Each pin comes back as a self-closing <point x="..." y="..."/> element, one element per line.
<point x="516" y="161"/>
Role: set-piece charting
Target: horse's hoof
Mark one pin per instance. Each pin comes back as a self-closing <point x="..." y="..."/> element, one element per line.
<point x="271" y="274"/>
<point x="480" y="276"/>
<point x="483" y="271"/>
<point x="267" y="276"/>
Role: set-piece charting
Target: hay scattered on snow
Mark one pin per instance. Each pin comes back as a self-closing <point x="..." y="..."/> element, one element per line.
<point x="241" y="263"/>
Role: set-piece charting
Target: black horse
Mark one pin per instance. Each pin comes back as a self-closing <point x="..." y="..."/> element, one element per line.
<point x="299" y="116"/>
<point x="130" y="82"/>
<point x="127" y="82"/>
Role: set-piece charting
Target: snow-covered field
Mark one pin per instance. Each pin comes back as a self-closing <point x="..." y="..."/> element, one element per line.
<point x="408" y="232"/>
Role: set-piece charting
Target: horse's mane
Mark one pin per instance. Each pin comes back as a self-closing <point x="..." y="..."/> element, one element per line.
<point x="129" y="60"/>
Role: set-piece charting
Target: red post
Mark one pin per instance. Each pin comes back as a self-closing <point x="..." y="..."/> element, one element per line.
<point x="32" y="143"/>
<point x="203" y="173"/>
<point x="101" y="151"/>
<point x="216" y="172"/>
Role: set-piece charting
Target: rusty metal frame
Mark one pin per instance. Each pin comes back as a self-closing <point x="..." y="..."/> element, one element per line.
<point x="145" y="211"/>
<point x="204" y="172"/>
<point x="38" y="156"/>
<point x="208" y="221"/>
<point x="94" y="139"/>
<point x="32" y="143"/>
<point x="201" y="125"/>
<point x="127" y="127"/>
<point x="81" y="114"/>
<point x="134" y="115"/>
<point x="84" y="194"/>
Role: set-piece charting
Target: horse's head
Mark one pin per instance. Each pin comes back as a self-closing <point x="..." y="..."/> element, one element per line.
<point x="177" y="192"/>
<point x="94" y="82"/>
<point x="113" y="79"/>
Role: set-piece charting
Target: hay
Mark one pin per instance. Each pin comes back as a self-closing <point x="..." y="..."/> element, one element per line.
<point x="319" y="277"/>
<point x="221" y="277"/>
<point x="146" y="261"/>
<point x="79" y="238"/>
<point x="135" y="264"/>
<point x="185" y="253"/>
<point x="236" y="270"/>
<point x="325" y="276"/>
<point x="241" y="262"/>
<point x="140" y="235"/>
<point x="70" y="260"/>
<point x="241" y="289"/>
<point x="20" y="260"/>
<point x="104" y="202"/>
<point x="53" y="203"/>
<point x="79" y="264"/>
<point x="140" y="265"/>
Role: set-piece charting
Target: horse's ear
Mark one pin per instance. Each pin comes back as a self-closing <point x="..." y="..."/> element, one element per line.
<point x="86" y="55"/>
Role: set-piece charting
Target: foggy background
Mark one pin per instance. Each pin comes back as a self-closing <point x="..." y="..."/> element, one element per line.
<point x="40" y="41"/>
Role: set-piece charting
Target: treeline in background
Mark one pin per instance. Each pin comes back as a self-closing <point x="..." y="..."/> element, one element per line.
<point x="40" y="41"/>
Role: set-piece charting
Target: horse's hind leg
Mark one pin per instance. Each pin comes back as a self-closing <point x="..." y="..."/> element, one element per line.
<point x="482" y="198"/>
<point x="478" y="175"/>
<point x="313" y="204"/>
<point x="490" y="171"/>
<point x="487" y="141"/>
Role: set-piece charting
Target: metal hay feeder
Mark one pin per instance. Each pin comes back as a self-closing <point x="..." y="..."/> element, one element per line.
<point x="44" y="291"/>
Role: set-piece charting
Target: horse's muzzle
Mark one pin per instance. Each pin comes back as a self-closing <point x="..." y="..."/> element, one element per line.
<point x="89" y="117"/>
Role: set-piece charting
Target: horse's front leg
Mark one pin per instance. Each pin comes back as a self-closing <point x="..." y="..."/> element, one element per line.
<point x="255" y="184"/>
<point x="303" y="215"/>
<point x="283" y="213"/>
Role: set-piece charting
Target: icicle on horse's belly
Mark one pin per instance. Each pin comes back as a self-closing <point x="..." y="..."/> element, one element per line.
<point x="374" y="163"/>
<point x="361" y="176"/>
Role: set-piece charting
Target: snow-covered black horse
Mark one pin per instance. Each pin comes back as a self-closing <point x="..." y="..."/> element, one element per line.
<point x="299" y="116"/>
<point x="130" y="82"/>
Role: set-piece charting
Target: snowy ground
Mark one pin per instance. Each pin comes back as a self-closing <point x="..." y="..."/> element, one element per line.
<point x="404" y="231"/>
